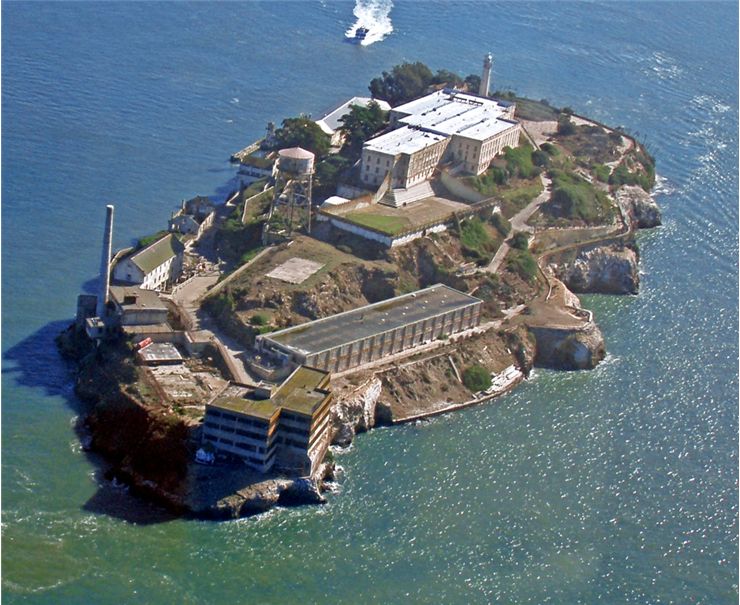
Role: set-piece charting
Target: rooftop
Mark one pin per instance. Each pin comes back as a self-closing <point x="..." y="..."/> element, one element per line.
<point x="331" y="121"/>
<point x="343" y="328"/>
<point x="157" y="253"/>
<point x="403" y="140"/>
<point x="135" y="298"/>
<point x="303" y="392"/>
<point x="478" y="122"/>
<point x="447" y="97"/>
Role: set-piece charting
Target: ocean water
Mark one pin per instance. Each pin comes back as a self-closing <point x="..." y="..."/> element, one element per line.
<point x="612" y="486"/>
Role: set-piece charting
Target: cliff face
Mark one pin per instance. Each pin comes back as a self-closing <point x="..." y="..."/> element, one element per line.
<point x="355" y="412"/>
<point x="610" y="269"/>
<point x="569" y="349"/>
<point x="637" y="204"/>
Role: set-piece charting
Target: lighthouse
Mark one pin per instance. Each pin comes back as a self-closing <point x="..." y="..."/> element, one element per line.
<point x="485" y="80"/>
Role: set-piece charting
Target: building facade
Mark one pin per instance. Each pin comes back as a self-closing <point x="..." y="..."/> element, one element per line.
<point x="444" y="126"/>
<point x="286" y="429"/>
<point x="353" y="338"/>
<point x="153" y="267"/>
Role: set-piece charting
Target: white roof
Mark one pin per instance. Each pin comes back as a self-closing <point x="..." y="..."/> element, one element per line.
<point x="296" y="153"/>
<point x="453" y="113"/>
<point x="330" y="122"/>
<point x="334" y="200"/>
<point x="403" y="140"/>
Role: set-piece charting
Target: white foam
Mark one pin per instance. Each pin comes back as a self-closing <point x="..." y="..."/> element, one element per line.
<point x="373" y="15"/>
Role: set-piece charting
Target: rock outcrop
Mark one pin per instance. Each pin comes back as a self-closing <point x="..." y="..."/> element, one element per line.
<point x="637" y="204"/>
<point x="355" y="412"/>
<point x="569" y="349"/>
<point x="610" y="269"/>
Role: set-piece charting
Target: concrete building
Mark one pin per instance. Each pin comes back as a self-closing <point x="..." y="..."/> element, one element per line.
<point x="285" y="429"/>
<point x="352" y="338"/>
<point x="331" y="122"/>
<point x="134" y="306"/>
<point x="193" y="217"/>
<point x="153" y="267"/>
<point x="444" y="126"/>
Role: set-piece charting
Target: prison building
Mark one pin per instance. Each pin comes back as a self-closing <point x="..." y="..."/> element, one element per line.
<point x="444" y="126"/>
<point x="356" y="337"/>
<point x="285" y="429"/>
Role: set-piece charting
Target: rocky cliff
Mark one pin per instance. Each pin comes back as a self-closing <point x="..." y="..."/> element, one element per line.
<point x="355" y="411"/>
<point x="569" y="348"/>
<point x="637" y="204"/>
<point x="607" y="269"/>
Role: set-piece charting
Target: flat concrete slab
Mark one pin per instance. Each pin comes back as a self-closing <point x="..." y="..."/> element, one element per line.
<point x="295" y="270"/>
<point x="160" y="352"/>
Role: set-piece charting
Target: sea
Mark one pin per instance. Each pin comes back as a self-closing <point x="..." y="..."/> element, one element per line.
<point x="617" y="485"/>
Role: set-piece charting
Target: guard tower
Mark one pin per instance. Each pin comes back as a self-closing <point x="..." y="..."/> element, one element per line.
<point x="485" y="80"/>
<point x="291" y="202"/>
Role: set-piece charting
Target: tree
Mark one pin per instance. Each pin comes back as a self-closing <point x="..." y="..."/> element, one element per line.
<point x="476" y="378"/>
<point x="359" y="125"/>
<point x="473" y="83"/>
<point x="404" y="83"/>
<point x="565" y="125"/>
<point x="303" y="132"/>
<point x="449" y="78"/>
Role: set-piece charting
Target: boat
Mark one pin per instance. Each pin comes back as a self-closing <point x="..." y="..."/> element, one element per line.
<point x="359" y="35"/>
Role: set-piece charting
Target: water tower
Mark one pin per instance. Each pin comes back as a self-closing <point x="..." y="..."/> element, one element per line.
<point x="293" y="182"/>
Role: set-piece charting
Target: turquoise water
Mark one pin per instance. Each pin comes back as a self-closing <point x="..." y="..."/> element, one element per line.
<point x="612" y="486"/>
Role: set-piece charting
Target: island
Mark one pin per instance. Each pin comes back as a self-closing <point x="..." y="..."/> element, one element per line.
<point x="406" y="255"/>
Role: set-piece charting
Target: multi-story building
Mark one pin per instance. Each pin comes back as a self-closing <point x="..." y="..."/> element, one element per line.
<point x="285" y="429"/>
<point x="447" y="125"/>
<point x="154" y="266"/>
<point x="350" y="339"/>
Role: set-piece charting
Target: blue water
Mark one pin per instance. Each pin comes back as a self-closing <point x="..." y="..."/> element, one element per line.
<point x="612" y="486"/>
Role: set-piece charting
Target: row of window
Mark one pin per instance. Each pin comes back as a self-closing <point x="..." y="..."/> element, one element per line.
<point x="232" y="417"/>
<point x="246" y="447"/>
<point x="230" y="429"/>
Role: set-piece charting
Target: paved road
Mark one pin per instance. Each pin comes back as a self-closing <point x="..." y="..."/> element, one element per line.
<point x="519" y="223"/>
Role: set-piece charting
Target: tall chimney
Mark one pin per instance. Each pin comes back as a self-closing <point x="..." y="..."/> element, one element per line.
<point x="105" y="263"/>
<point x="485" y="80"/>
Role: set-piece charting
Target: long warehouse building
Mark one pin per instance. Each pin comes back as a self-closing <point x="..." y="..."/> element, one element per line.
<point x="352" y="338"/>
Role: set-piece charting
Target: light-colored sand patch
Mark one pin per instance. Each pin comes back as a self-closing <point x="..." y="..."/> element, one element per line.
<point x="295" y="270"/>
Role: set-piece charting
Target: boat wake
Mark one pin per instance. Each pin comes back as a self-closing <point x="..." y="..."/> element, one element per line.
<point x="374" y="17"/>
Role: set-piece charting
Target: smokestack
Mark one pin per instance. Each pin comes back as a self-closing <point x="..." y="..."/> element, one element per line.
<point x="105" y="263"/>
<point x="485" y="80"/>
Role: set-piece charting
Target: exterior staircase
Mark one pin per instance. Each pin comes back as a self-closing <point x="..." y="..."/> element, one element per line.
<point x="401" y="197"/>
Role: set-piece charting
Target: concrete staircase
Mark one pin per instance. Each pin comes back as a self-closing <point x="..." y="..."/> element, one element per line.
<point x="402" y="197"/>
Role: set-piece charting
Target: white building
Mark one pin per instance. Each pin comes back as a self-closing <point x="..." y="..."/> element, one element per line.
<point x="194" y="217"/>
<point x="153" y="267"/>
<point x="331" y="122"/>
<point x="447" y="125"/>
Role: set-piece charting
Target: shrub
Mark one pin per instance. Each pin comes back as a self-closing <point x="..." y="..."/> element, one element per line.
<point x="550" y="149"/>
<point x="520" y="241"/>
<point x="519" y="161"/>
<point x="344" y="248"/>
<point x="565" y="126"/>
<point x="258" y="320"/>
<point x="522" y="262"/>
<point x="601" y="172"/>
<point x="501" y="223"/>
<point x="476" y="378"/>
<point x="540" y="158"/>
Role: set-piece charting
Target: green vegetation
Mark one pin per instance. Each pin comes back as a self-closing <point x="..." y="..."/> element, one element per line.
<point x="501" y="223"/>
<point x="409" y="81"/>
<point x="488" y="183"/>
<point x="523" y="263"/>
<point x="303" y="132"/>
<point x="386" y="224"/>
<point x="601" y="172"/>
<point x="540" y="158"/>
<point x="519" y="161"/>
<point x="643" y="173"/>
<point x="550" y="149"/>
<point x="520" y="241"/>
<point x="516" y="198"/>
<point x="566" y="126"/>
<point x="476" y="378"/>
<point x="258" y="320"/>
<point x="476" y="242"/>
<point x="575" y="198"/>
<point x="359" y="125"/>
<point x="145" y="241"/>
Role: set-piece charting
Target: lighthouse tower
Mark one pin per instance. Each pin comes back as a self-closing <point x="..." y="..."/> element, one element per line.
<point x="485" y="80"/>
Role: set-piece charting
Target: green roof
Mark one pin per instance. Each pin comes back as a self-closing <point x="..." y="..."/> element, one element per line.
<point x="157" y="253"/>
<point x="301" y="393"/>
